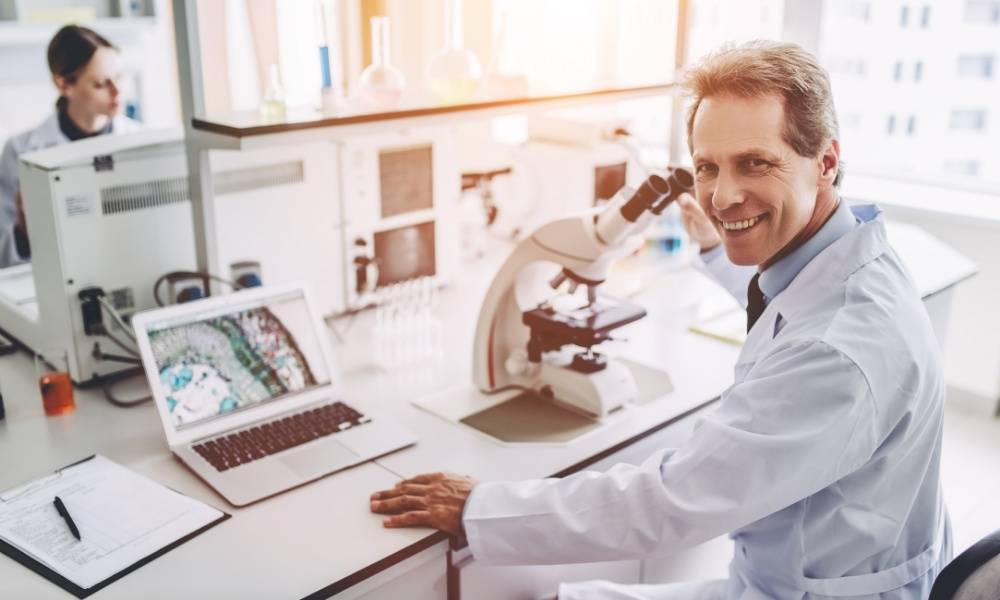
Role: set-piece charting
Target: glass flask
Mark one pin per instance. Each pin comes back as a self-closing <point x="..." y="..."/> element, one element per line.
<point x="381" y="84"/>
<point x="272" y="108"/>
<point x="454" y="72"/>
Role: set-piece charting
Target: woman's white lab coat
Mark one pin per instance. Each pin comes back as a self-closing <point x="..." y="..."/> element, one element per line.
<point x="821" y="460"/>
<point x="45" y="135"/>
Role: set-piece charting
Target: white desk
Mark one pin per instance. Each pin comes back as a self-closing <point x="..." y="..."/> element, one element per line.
<point x="320" y="540"/>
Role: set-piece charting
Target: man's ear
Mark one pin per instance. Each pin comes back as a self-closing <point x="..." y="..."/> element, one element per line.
<point x="829" y="163"/>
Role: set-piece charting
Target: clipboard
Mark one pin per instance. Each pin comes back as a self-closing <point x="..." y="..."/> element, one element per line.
<point x="48" y="573"/>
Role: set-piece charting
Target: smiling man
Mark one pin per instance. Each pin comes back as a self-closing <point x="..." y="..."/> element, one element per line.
<point x="822" y="460"/>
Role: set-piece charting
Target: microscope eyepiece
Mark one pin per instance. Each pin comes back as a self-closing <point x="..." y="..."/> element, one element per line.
<point x="648" y="194"/>
<point x="680" y="180"/>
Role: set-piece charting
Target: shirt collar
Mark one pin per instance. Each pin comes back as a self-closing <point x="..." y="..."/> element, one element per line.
<point x="774" y="279"/>
<point x="72" y="131"/>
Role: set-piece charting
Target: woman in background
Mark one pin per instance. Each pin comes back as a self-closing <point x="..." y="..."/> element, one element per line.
<point x="85" y="69"/>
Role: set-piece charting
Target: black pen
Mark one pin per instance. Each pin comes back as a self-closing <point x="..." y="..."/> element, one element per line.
<point x="65" y="515"/>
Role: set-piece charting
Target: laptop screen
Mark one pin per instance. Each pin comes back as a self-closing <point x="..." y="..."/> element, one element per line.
<point x="233" y="358"/>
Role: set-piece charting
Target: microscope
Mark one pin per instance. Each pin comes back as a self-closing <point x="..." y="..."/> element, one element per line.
<point x="537" y="329"/>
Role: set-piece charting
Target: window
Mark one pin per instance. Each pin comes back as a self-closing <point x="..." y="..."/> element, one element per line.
<point x="855" y="9"/>
<point x="964" y="127"/>
<point x="968" y="119"/>
<point x="925" y="16"/>
<point x="851" y="120"/>
<point x="848" y="66"/>
<point x="982" y="11"/>
<point x="969" y="168"/>
<point x="904" y="15"/>
<point x="975" y="66"/>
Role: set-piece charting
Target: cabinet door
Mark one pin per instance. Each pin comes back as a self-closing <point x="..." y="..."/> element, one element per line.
<point x="481" y="582"/>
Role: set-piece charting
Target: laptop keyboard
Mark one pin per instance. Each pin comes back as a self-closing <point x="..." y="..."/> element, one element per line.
<point x="248" y="445"/>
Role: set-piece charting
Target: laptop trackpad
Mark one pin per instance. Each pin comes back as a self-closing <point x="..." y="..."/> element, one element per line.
<point x="319" y="458"/>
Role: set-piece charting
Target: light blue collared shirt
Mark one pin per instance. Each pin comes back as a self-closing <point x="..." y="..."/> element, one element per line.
<point x="774" y="279"/>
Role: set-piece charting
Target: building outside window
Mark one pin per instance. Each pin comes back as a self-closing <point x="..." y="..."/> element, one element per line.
<point x="967" y="119"/>
<point x="925" y="16"/>
<point x="911" y="125"/>
<point x="904" y="15"/>
<point x="890" y="126"/>
<point x="975" y="66"/>
<point x="897" y="73"/>
<point x="918" y="70"/>
<point x="969" y="168"/>
<point x="982" y="11"/>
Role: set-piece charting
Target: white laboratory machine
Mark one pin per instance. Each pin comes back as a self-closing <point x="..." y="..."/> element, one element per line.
<point x="400" y="209"/>
<point x="114" y="213"/>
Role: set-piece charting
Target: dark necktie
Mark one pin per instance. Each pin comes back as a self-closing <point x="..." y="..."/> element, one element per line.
<point x="755" y="302"/>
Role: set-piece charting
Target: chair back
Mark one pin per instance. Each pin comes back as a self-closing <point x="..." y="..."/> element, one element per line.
<point x="973" y="574"/>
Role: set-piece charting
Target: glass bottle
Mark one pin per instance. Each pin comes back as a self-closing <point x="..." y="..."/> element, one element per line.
<point x="272" y="108"/>
<point x="454" y="72"/>
<point x="331" y="68"/>
<point x="54" y="383"/>
<point x="381" y="84"/>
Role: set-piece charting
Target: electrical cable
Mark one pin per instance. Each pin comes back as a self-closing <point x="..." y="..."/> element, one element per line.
<point x="110" y="395"/>
<point x="205" y="277"/>
<point x="116" y="317"/>
<point x="117" y="342"/>
<point x="117" y="358"/>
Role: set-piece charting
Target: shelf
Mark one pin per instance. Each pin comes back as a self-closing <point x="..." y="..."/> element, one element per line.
<point x="16" y="33"/>
<point x="245" y="130"/>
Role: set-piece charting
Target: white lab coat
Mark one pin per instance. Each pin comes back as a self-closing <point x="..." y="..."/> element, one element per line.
<point x="821" y="461"/>
<point x="45" y="135"/>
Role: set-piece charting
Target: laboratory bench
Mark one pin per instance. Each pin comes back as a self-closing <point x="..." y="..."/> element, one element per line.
<point x="320" y="540"/>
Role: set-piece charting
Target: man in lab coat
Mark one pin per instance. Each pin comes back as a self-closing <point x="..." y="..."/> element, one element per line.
<point x="822" y="460"/>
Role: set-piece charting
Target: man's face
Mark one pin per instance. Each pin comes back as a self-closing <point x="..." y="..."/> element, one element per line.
<point x="758" y="192"/>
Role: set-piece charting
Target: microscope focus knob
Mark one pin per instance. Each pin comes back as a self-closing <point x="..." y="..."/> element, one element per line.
<point x="518" y="365"/>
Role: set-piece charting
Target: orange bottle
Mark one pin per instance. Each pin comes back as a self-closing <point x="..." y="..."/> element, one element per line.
<point x="54" y="382"/>
<point x="57" y="393"/>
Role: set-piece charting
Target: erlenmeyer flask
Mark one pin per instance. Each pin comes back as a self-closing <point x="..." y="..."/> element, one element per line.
<point x="454" y="72"/>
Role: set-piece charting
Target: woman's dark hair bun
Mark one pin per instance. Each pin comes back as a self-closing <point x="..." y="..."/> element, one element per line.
<point x="71" y="49"/>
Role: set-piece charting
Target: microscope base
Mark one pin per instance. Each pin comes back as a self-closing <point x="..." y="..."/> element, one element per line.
<point x="513" y="418"/>
<point x="519" y="417"/>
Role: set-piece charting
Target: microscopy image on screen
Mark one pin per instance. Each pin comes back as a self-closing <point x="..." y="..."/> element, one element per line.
<point x="226" y="363"/>
<point x="405" y="253"/>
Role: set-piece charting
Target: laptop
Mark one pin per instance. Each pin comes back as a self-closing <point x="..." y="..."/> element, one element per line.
<point x="248" y="393"/>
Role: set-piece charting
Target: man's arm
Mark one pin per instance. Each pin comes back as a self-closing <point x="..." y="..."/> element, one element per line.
<point x="804" y="419"/>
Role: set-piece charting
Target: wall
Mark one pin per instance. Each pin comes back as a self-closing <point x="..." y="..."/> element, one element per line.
<point x="972" y="350"/>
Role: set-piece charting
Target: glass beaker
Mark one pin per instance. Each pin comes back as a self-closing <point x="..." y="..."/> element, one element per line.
<point x="54" y="383"/>
<point x="454" y="72"/>
<point x="381" y="84"/>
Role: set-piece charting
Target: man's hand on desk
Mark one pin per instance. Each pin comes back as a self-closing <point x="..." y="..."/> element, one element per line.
<point x="434" y="500"/>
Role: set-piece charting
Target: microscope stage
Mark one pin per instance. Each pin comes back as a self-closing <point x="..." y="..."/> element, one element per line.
<point x="584" y="326"/>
